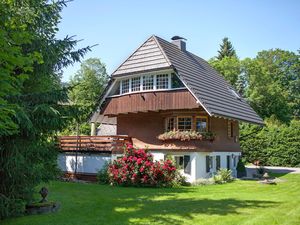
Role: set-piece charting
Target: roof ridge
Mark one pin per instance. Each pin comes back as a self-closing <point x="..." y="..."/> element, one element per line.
<point x="161" y="49"/>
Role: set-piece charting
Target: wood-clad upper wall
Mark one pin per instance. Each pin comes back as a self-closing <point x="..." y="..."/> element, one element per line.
<point x="150" y="101"/>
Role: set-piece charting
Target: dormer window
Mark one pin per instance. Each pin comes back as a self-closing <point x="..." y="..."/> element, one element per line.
<point x="148" y="82"/>
<point x="136" y="84"/>
<point x="125" y="86"/>
<point x="162" y="81"/>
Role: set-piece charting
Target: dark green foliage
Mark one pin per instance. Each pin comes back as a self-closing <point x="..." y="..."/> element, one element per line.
<point x="102" y="175"/>
<point x="241" y="169"/>
<point x="226" y="49"/>
<point x="229" y="67"/>
<point x="275" y="145"/>
<point x="32" y="104"/>
<point x="87" y="85"/>
<point x="273" y="81"/>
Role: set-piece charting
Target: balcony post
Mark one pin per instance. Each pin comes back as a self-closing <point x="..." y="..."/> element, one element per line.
<point x="93" y="129"/>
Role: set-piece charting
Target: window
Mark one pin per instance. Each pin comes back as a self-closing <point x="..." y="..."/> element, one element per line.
<point x="179" y="162"/>
<point x="184" y="123"/>
<point x="218" y="162"/>
<point x="183" y="162"/>
<point x="125" y="86"/>
<point x="170" y="123"/>
<point x="208" y="163"/>
<point x="230" y="129"/>
<point x="201" y="124"/>
<point x="162" y="81"/>
<point x="135" y="84"/>
<point x="148" y="82"/>
<point x="176" y="82"/>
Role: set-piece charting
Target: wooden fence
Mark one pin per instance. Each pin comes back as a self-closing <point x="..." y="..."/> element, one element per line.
<point x="113" y="144"/>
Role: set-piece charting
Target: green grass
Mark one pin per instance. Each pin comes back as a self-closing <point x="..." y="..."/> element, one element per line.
<point x="240" y="202"/>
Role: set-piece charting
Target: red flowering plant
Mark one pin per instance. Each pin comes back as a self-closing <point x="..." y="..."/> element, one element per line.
<point x="137" y="168"/>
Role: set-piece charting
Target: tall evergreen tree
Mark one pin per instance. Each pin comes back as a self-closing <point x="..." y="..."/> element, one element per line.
<point x="226" y="49"/>
<point x="31" y="63"/>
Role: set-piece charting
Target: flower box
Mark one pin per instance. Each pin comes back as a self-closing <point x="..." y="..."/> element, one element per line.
<point x="186" y="136"/>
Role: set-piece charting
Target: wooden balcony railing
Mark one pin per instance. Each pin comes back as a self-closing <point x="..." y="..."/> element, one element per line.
<point x="113" y="144"/>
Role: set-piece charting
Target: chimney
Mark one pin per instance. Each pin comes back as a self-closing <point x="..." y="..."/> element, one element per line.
<point x="179" y="42"/>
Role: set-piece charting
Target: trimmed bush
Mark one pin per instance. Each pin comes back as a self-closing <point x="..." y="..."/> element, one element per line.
<point x="136" y="168"/>
<point x="274" y="145"/>
<point x="241" y="169"/>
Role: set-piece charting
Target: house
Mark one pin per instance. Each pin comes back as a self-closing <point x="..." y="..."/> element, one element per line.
<point x="172" y="102"/>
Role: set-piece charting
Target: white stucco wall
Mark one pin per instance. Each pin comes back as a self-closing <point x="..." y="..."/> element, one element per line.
<point x="198" y="162"/>
<point x="158" y="156"/>
<point x="86" y="163"/>
<point x="92" y="163"/>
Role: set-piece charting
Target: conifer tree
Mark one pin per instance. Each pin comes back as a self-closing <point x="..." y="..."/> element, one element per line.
<point x="226" y="49"/>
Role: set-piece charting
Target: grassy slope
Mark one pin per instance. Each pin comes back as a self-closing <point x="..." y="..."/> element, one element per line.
<point x="241" y="202"/>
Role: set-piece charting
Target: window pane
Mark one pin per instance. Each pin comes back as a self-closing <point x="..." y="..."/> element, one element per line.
<point x="162" y="81"/>
<point x="201" y="124"/>
<point x="179" y="161"/>
<point x="135" y="84"/>
<point x="125" y="86"/>
<point x="148" y="82"/>
<point x="184" y="123"/>
<point x="170" y="123"/>
<point x="176" y="82"/>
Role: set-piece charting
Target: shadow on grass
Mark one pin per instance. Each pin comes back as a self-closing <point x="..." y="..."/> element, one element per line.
<point x="164" y="207"/>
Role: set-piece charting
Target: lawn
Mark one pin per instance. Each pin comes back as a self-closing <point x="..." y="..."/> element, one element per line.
<point x="240" y="202"/>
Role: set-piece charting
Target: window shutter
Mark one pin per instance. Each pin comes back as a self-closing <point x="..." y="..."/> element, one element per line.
<point x="218" y="162"/>
<point x="228" y="162"/>
<point x="207" y="164"/>
<point x="187" y="164"/>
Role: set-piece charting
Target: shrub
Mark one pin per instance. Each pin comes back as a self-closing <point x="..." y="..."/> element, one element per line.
<point x="274" y="145"/>
<point x="102" y="175"/>
<point x="241" y="169"/>
<point x="223" y="176"/>
<point x="136" y="168"/>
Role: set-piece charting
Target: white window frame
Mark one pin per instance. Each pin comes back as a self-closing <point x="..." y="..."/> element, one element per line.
<point x="141" y="76"/>
<point x="163" y="76"/>
<point x="153" y="82"/>
<point x="121" y="86"/>
<point x="137" y="86"/>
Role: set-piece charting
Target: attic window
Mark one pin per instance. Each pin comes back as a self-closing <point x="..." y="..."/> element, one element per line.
<point x="235" y="94"/>
<point x="162" y="81"/>
<point x="176" y="82"/>
<point x="125" y="86"/>
<point x="135" y="84"/>
<point x="148" y="82"/>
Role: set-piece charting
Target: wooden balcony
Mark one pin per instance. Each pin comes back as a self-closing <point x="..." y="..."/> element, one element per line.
<point x="110" y="144"/>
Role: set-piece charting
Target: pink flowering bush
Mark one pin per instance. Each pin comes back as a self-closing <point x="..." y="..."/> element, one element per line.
<point x="136" y="168"/>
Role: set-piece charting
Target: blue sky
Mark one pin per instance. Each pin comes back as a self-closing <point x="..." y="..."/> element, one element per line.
<point x="119" y="27"/>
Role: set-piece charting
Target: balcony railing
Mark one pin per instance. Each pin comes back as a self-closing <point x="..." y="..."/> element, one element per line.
<point x="113" y="144"/>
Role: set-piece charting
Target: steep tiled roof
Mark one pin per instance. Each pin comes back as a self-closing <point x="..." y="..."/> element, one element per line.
<point x="147" y="57"/>
<point x="209" y="87"/>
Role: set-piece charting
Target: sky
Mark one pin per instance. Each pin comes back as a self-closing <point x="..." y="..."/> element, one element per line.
<point x="120" y="27"/>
